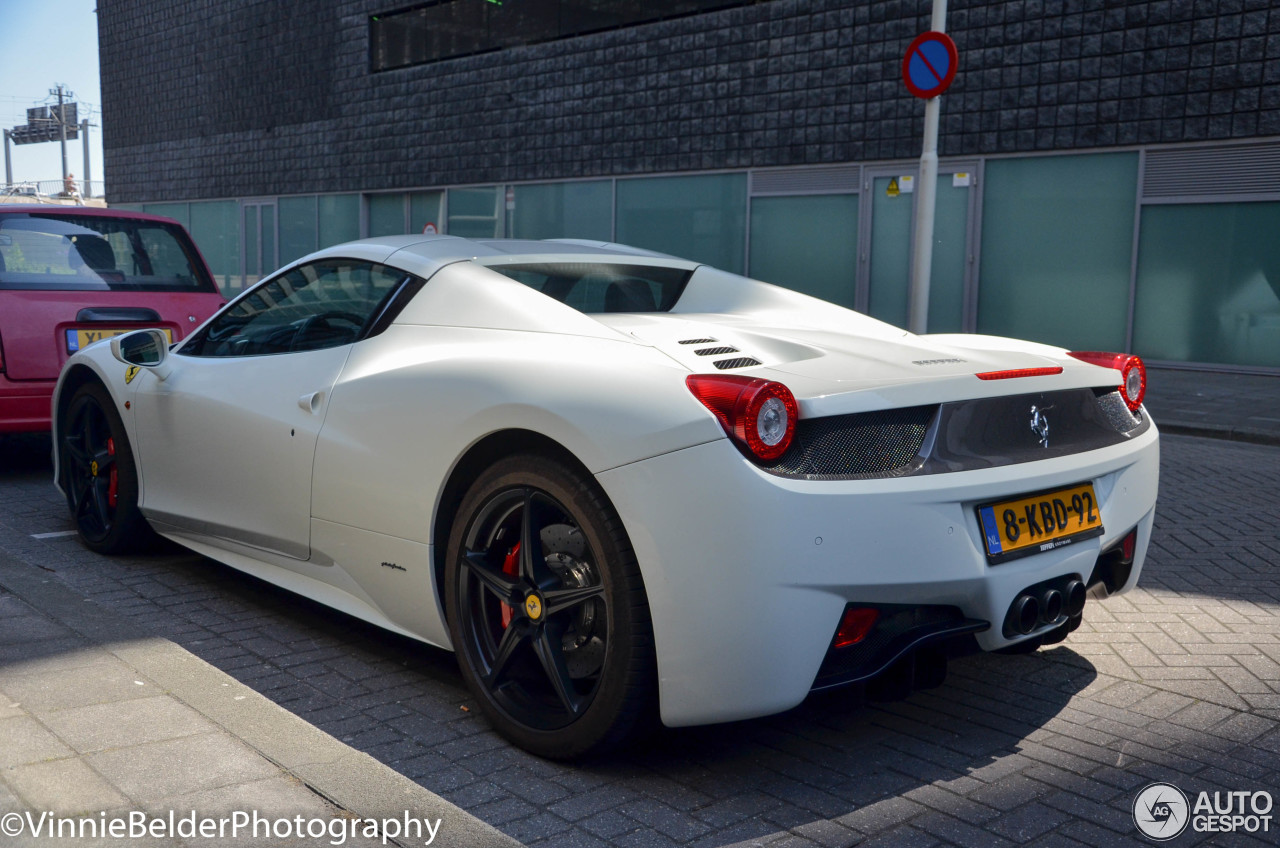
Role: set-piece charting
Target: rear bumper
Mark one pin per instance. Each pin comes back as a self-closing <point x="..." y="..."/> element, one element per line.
<point x="25" y="407"/>
<point x="748" y="574"/>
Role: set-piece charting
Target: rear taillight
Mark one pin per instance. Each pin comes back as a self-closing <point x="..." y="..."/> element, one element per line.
<point x="1134" y="373"/>
<point x="759" y="414"/>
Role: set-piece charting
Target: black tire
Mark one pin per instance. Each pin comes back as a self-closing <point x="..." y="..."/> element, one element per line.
<point x="99" y="475"/>
<point x="564" y="665"/>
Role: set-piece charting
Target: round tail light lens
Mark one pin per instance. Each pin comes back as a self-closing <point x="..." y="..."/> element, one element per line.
<point x="760" y="415"/>
<point x="1131" y="368"/>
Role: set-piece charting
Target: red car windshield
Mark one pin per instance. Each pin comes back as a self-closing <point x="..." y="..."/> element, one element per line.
<point x="65" y="251"/>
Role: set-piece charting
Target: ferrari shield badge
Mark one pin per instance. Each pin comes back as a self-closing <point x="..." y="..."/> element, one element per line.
<point x="131" y="373"/>
<point x="533" y="607"/>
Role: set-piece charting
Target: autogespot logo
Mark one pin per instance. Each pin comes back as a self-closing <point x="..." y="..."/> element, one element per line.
<point x="1161" y="811"/>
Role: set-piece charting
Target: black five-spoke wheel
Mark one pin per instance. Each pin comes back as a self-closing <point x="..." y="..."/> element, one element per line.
<point x="547" y="609"/>
<point x="98" y="474"/>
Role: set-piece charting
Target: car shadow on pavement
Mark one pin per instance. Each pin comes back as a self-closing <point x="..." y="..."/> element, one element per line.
<point x="405" y="704"/>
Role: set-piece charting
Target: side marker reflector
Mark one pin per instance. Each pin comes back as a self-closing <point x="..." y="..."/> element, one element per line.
<point x="855" y="626"/>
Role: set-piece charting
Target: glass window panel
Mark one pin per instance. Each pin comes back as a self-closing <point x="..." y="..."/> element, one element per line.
<point x="65" y="250"/>
<point x="521" y="22"/>
<point x="946" y="280"/>
<point x="315" y="306"/>
<point x="809" y="244"/>
<point x="424" y="208"/>
<point x="1057" y="242"/>
<point x="297" y="227"/>
<point x="603" y="287"/>
<point x="269" y="263"/>
<point x="890" y="273"/>
<point x="386" y="214"/>
<point x="1209" y="284"/>
<point x="564" y="210"/>
<point x="702" y="218"/>
<point x="215" y="227"/>
<point x="444" y="28"/>
<point x="177" y="211"/>
<point x="339" y="218"/>
<point x="252" y="254"/>
<point x="474" y="212"/>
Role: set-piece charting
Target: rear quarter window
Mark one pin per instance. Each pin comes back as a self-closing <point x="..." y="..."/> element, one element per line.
<point x="602" y="287"/>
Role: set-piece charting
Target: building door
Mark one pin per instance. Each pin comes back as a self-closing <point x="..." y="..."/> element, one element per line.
<point x="884" y="246"/>
<point x="258" y="225"/>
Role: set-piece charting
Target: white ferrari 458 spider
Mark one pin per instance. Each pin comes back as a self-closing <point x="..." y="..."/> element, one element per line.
<point x="616" y="483"/>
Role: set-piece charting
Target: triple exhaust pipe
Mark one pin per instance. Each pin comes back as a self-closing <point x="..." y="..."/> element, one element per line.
<point x="1049" y="604"/>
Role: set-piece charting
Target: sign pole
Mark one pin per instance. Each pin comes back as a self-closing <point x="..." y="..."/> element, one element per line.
<point x="926" y="202"/>
<point x="62" y="130"/>
<point x="88" y="178"/>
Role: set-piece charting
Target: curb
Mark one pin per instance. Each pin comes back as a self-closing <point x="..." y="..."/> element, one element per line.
<point x="350" y="779"/>
<point x="1220" y="431"/>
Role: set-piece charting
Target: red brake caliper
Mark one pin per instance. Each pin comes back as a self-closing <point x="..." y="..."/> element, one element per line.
<point x="114" y="480"/>
<point x="511" y="566"/>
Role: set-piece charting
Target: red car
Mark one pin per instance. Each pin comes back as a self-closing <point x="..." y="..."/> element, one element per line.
<point x="70" y="276"/>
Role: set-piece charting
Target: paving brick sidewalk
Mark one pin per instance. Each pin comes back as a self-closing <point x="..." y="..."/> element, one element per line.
<point x="101" y="721"/>
<point x="1241" y="407"/>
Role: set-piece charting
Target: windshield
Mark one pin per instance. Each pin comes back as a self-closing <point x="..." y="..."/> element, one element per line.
<point x="596" y="287"/>
<point x="67" y="251"/>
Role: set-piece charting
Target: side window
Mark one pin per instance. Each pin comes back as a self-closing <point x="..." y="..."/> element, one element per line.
<point x="314" y="306"/>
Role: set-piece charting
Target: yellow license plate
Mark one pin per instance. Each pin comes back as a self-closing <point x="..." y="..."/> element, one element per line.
<point x="80" y="339"/>
<point x="1034" y="523"/>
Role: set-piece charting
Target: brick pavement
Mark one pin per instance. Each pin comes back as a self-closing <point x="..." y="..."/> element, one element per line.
<point x="1177" y="681"/>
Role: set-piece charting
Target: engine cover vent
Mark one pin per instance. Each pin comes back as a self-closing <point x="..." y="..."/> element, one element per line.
<point x="715" y="351"/>
<point x="740" y="362"/>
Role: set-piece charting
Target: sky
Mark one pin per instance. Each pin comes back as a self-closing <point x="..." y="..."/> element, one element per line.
<point x="46" y="42"/>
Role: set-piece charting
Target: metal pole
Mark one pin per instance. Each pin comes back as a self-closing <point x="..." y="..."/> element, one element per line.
<point x="926" y="202"/>
<point x="8" y="165"/>
<point x="88" y="187"/>
<point x="62" y="132"/>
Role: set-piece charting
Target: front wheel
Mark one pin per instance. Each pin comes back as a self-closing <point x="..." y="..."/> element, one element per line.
<point x="98" y="474"/>
<point x="547" y="609"/>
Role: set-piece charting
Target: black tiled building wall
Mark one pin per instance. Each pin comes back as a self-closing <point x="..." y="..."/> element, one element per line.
<point x="225" y="98"/>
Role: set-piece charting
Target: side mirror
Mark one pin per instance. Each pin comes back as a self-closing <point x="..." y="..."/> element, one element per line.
<point x="147" y="348"/>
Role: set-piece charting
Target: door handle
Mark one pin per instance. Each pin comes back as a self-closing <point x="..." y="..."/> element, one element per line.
<point x="311" y="401"/>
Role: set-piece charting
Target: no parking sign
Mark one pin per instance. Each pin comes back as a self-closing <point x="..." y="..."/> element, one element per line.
<point x="929" y="67"/>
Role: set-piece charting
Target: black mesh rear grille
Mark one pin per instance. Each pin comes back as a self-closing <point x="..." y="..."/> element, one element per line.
<point x="1117" y="412"/>
<point x="740" y="362"/>
<point x="861" y="444"/>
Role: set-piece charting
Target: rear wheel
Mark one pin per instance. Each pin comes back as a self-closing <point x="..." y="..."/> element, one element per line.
<point x="99" y="475"/>
<point x="547" y="609"/>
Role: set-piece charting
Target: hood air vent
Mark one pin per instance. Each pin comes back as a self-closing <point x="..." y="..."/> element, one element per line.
<point x="696" y="341"/>
<point x="740" y="362"/>
<point x="715" y="351"/>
